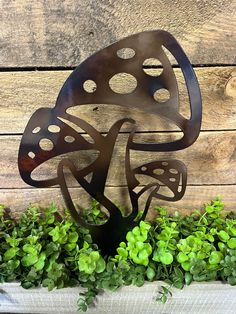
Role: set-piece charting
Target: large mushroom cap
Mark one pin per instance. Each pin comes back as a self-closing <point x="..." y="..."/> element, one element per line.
<point x="104" y="65"/>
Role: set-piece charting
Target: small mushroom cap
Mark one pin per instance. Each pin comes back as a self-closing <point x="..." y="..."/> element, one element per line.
<point x="45" y="125"/>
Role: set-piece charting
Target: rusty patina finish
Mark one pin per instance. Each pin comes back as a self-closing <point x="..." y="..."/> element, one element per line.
<point x="100" y="68"/>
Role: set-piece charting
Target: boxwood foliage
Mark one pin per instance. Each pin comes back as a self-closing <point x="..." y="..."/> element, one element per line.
<point x="46" y="248"/>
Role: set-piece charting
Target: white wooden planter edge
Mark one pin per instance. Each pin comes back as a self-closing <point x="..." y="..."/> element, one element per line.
<point x="213" y="297"/>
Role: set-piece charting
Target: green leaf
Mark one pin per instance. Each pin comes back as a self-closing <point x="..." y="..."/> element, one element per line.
<point x="55" y="233"/>
<point x="156" y="256"/>
<point x="186" y="266"/>
<point x="51" y="248"/>
<point x="232" y="243"/>
<point x="82" y="306"/>
<point x="209" y="209"/>
<point x="130" y="237"/>
<point x="150" y="273"/>
<point x="232" y="280"/>
<point x="10" y="253"/>
<point x="27" y="284"/>
<point x="182" y="257"/>
<point x="13" y="264"/>
<point x="164" y="299"/>
<point x="144" y="226"/>
<point x="29" y="260"/>
<point x="48" y="283"/>
<point x="31" y="249"/>
<point x="94" y="255"/>
<point x="188" y="278"/>
<point x="73" y="237"/>
<point x="39" y="265"/>
<point x="223" y="235"/>
<point x="178" y="284"/>
<point x="70" y="246"/>
<point x="136" y="231"/>
<point x="13" y="241"/>
<point x="124" y="265"/>
<point x="166" y="258"/>
<point x="122" y="252"/>
<point x="138" y="280"/>
<point x="178" y="273"/>
<point x="215" y="257"/>
<point x="100" y="265"/>
<point x="221" y="246"/>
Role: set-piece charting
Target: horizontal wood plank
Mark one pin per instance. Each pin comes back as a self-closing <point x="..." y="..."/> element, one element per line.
<point x="22" y="93"/>
<point x="198" y="298"/>
<point x="195" y="198"/>
<point x="51" y="33"/>
<point x="210" y="160"/>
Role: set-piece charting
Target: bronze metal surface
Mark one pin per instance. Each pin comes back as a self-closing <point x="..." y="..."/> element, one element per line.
<point x="100" y="68"/>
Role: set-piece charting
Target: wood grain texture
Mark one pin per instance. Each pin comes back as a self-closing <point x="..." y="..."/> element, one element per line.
<point x="210" y="160"/>
<point x="22" y="93"/>
<point x="195" y="198"/>
<point x="198" y="298"/>
<point x="62" y="33"/>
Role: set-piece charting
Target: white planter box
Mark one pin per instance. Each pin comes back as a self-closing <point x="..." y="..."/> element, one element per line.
<point x="201" y="298"/>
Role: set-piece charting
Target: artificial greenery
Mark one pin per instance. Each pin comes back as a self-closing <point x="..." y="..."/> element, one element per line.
<point x="49" y="249"/>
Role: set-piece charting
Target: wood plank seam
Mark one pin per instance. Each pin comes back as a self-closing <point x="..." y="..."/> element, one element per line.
<point x="19" y="100"/>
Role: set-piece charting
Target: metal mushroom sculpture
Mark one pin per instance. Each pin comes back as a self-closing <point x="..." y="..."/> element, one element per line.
<point x="100" y="68"/>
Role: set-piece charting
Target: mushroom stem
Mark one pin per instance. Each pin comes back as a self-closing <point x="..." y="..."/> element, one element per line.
<point x="64" y="189"/>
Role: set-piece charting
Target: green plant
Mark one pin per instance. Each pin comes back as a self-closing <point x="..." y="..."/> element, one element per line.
<point x="48" y="248"/>
<point x="137" y="249"/>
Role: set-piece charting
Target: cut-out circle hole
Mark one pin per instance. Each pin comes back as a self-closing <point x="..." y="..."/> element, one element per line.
<point x="180" y="188"/>
<point x="123" y="83"/>
<point x="125" y="53"/>
<point x="31" y="155"/>
<point x="36" y="130"/>
<point x="144" y="168"/>
<point x="174" y="171"/>
<point x="90" y="86"/>
<point x="54" y="128"/>
<point x="172" y="179"/>
<point x="164" y="163"/>
<point x="46" y="144"/>
<point x="69" y="139"/>
<point x="158" y="171"/>
<point x="152" y="67"/>
<point x="161" y="95"/>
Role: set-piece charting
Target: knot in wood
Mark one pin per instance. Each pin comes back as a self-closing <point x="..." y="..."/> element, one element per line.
<point x="230" y="87"/>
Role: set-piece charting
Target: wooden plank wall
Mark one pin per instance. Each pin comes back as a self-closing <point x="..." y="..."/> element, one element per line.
<point x="41" y="42"/>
